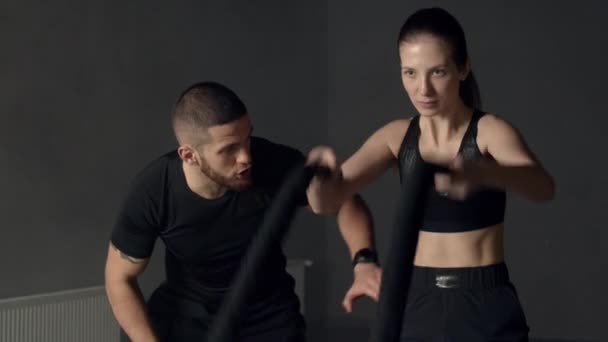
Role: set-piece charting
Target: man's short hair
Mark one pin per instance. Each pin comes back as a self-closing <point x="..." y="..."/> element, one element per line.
<point x="203" y="105"/>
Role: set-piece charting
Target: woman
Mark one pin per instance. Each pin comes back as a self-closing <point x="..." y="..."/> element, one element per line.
<point x="460" y="285"/>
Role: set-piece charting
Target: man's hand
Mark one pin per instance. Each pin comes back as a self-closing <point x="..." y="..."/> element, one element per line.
<point x="367" y="278"/>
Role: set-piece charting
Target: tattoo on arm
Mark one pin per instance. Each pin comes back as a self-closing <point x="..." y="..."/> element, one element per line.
<point x="128" y="258"/>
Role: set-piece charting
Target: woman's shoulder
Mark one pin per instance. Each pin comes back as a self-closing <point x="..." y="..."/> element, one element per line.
<point x="493" y="127"/>
<point x="394" y="131"/>
<point x="491" y="123"/>
<point x="397" y="126"/>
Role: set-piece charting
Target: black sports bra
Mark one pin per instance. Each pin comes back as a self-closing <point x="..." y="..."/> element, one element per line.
<point x="483" y="208"/>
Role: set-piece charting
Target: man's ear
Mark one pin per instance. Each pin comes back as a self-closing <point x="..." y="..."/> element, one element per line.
<point x="188" y="154"/>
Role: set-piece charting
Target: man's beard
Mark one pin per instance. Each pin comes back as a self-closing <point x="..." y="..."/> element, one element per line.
<point x="231" y="183"/>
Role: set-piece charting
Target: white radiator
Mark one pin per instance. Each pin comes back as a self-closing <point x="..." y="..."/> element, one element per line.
<point x="297" y="269"/>
<point x="82" y="315"/>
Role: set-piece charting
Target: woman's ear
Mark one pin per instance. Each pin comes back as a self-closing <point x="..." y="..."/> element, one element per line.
<point x="465" y="70"/>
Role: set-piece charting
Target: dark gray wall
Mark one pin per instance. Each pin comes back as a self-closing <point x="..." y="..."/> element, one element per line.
<point x="540" y="65"/>
<point x="87" y="88"/>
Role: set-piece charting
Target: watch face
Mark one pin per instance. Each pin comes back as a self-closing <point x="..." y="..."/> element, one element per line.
<point x="364" y="256"/>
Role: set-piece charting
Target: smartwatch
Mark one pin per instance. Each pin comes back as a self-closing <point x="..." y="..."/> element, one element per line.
<point x="365" y="255"/>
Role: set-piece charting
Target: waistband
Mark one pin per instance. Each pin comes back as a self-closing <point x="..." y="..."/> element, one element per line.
<point x="482" y="277"/>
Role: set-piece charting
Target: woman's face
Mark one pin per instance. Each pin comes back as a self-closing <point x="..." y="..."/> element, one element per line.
<point x="429" y="74"/>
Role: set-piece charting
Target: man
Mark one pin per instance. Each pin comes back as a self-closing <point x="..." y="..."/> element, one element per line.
<point x="205" y="201"/>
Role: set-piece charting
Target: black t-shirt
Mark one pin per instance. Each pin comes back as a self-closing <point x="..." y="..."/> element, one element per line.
<point x="205" y="239"/>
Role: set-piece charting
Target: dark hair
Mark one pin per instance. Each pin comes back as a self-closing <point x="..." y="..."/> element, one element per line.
<point x="203" y="105"/>
<point x="440" y="23"/>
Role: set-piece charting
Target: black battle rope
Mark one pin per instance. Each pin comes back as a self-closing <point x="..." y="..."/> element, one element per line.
<point x="397" y="271"/>
<point x="273" y="229"/>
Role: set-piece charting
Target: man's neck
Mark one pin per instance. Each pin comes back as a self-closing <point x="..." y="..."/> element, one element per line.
<point x="201" y="184"/>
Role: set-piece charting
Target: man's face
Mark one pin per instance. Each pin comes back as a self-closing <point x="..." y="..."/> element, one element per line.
<point x="226" y="157"/>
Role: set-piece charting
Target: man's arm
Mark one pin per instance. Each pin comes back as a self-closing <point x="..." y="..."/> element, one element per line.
<point x="356" y="226"/>
<point x="125" y="296"/>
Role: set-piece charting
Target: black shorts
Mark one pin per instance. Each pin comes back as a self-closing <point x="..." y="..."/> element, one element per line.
<point x="463" y="304"/>
<point x="177" y="319"/>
